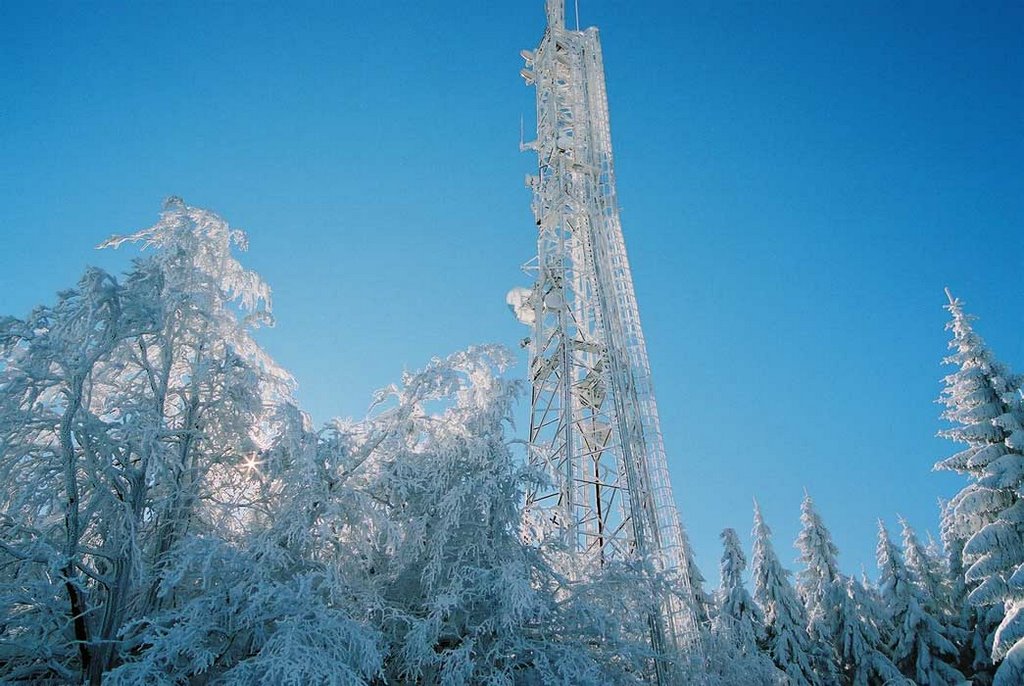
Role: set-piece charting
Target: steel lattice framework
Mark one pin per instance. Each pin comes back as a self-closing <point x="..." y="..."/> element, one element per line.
<point x="594" y="420"/>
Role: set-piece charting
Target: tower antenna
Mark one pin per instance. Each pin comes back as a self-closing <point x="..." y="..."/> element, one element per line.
<point x="594" y="426"/>
<point x="556" y="14"/>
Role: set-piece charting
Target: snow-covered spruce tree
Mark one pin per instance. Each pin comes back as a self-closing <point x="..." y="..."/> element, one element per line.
<point x="738" y="627"/>
<point x="738" y="617"/>
<point x="787" y="642"/>
<point x="821" y="588"/>
<point x="934" y="561"/>
<point x="128" y="414"/>
<point x="928" y="574"/>
<point x="976" y="623"/>
<point x="860" y="638"/>
<point x="725" y="665"/>
<point x="700" y="600"/>
<point x="983" y="402"/>
<point x="840" y="613"/>
<point x="919" y="644"/>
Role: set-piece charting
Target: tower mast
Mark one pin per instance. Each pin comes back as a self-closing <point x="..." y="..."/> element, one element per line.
<point x="594" y="424"/>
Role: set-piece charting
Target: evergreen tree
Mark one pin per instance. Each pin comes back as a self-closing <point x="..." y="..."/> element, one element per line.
<point x="976" y="622"/>
<point x="738" y="616"/>
<point x="983" y="402"/>
<point x="925" y="571"/>
<point x="733" y="646"/>
<point x="919" y="644"/>
<point x="786" y="641"/>
<point x="700" y="600"/>
<point x="860" y="642"/>
<point x="941" y="580"/>
<point x="821" y="587"/>
<point x="841" y="615"/>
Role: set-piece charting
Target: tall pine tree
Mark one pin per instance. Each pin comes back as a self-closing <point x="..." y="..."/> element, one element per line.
<point x="821" y="587"/>
<point x="738" y="617"/>
<point x="983" y="403"/>
<point x="786" y="639"/>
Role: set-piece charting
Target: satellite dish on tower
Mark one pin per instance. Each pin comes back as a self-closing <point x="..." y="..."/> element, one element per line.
<point x="520" y="301"/>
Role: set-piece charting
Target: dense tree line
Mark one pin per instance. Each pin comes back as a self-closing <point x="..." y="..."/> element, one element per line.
<point x="168" y="515"/>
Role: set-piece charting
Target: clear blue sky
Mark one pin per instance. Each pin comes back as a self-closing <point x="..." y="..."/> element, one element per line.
<point x="798" y="182"/>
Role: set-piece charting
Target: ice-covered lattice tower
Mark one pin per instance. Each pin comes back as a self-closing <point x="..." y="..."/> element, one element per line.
<point x="594" y="421"/>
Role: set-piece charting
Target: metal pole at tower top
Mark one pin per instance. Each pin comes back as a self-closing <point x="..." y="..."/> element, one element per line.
<point x="556" y="14"/>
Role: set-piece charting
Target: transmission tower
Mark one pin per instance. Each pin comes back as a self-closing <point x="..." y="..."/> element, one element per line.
<point x="594" y="422"/>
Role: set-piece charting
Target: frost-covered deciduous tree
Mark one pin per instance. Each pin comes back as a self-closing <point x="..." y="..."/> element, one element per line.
<point x="470" y="603"/>
<point x="787" y="642"/>
<point x="288" y="601"/>
<point x="919" y="644"/>
<point x="69" y="490"/>
<point x="983" y="402"/>
<point x="391" y="552"/>
<point x="169" y="515"/>
<point x="215" y="385"/>
<point x="465" y="601"/>
<point x="128" y="414"/>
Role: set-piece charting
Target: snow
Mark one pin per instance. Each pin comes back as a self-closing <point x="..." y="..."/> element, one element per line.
<point x="170" y="515"/>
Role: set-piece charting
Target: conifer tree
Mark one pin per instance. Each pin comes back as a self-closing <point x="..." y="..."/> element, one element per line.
<point x="738" y="617"/>
<point x="976" y="622"/>
<point x="860" y="643"/>
<point x="786" y="641"/>
<point x="700" y="600"/>
<point x="940" y="579"/>
<point x="983" y="402"/>
<point x="925" y="571"/>
<point x="821" y="588"/>
<point x="841" y="615"/>
<point x="919" y="644"/>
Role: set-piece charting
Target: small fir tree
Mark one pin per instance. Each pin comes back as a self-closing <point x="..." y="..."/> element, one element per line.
<point x="860" y="642"/>
<point x="919" y="643"/>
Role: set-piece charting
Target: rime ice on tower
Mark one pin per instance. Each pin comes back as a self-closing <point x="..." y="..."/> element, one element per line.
<point x="594" y="421"/>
